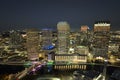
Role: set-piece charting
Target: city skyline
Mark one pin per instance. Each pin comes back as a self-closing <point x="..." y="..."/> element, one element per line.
<point x="47" y="13"/>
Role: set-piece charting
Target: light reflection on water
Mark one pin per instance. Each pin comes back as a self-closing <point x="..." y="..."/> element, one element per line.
<point x="48" y="78"/>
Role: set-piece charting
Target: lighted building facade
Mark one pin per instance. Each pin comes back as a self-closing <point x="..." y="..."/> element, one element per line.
<point x="114" y="44"/>
<point x="85" y="35"/>
<point x="101" y="26"/>
<point x="70" y="58"/>
<point x="15" y="39"/>
<point x="33" y="44"/>
<point x="46" y="39"/>
<point x="84" y="28"/>
<point x="100" y="52"/>
<point x="101" y="38"/>
<point x="73" y="61"/>
<point x="72" y="42"/>
<point x="63" y="37"/>
<point x="84" y="50"/>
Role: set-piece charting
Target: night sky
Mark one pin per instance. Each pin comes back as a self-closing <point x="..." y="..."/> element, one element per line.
<point x="21" y="14"/>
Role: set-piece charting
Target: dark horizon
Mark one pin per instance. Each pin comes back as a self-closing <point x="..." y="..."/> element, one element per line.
<point x="22" y="14"/>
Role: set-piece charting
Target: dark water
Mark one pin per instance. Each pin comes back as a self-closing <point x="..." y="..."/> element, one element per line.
<point x="10" y="69"/>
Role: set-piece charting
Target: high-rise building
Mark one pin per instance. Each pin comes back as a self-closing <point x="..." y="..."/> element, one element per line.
<point x="84" y="28"/>
<point x="85" y="35"/>
<point x="101" y="26"/>
<point x="33" y="44"/>
<point x="114" y="43"/>
<point x="101" y="37"/>
<point x="46" y="39"/>
<point x="15" y="39"/>
<point x="101" y="34"/>
<point x="63" y="37"/>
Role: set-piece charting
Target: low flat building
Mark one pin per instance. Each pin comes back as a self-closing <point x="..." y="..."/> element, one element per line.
<point x="70" y="61"/>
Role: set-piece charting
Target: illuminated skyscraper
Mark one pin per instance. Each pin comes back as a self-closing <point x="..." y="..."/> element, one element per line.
<point x="63" y="37"/>
<point x="101" y="33"/>
<point x="32" y="44"/>
<point x="102" y="26"/>
<point x="101" y="37"/>
<point x="46" y="39"/>
<point x="114" y="43"/>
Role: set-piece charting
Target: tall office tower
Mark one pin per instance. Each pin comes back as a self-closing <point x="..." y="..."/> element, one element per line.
<point x="46" y="39"/>
<point x="15" y="39"/>
<point x="101" y="36"/>
<point x="102" y="26"/>
<point x="63" y="37"/>
<point x="32" y="44"/>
